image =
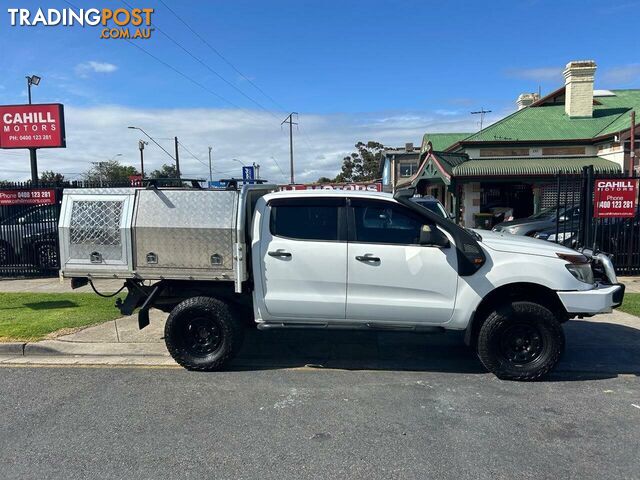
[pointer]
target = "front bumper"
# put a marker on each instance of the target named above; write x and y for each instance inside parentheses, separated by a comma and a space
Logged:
(602, 299)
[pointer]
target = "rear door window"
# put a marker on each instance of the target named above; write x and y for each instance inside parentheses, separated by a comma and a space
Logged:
(318, 219)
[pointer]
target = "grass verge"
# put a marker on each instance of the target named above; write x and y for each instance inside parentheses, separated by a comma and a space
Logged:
(32, 316)
(631, 304)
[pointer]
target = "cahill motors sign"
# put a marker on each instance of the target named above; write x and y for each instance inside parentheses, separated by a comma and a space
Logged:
(615, 198)
(32, 126)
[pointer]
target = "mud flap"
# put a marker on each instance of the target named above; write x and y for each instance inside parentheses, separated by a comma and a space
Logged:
(135, 297)
(143, 313)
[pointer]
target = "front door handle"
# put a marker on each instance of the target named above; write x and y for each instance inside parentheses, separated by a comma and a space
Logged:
(279, 254)
(367, 258)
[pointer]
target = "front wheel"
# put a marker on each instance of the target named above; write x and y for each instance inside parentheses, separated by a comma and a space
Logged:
(521, 341)
(202, 334)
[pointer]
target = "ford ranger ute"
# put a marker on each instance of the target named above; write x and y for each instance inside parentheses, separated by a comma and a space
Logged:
(220, 260)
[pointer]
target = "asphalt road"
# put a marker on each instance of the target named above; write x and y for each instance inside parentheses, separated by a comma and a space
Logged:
(79, 423)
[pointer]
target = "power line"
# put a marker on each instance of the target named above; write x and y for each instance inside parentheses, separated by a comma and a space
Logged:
(184, 75)
(192, 154)
(284, 175)
(217, 52)
(188, 52)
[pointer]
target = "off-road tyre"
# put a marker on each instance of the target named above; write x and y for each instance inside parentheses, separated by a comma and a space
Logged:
(520, 341)
(202, 334)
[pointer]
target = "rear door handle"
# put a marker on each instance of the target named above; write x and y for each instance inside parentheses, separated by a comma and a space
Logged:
(367, 258)
(279, 254)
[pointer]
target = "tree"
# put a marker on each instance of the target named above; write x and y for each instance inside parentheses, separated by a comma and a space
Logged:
(49, 176)
(324, 180)
(167, 171)
(111, 171)
(362, 165)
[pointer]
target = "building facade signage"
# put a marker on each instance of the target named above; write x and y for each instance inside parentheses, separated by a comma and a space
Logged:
(32, 196)
(368, 187)
(32, 126)
(615, 198)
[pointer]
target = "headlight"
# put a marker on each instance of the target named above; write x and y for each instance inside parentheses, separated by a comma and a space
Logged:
(511, 230)
(582, 272)
(578, 266)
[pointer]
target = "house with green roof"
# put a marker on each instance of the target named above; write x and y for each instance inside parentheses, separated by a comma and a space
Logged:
(512, 164)
(400, 164)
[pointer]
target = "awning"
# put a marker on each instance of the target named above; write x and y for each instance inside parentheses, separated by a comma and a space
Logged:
(532, 166)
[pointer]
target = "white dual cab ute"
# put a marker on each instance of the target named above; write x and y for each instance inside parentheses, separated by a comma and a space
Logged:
(220, 260)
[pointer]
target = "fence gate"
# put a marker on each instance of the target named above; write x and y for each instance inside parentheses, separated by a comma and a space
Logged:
(29, 231)
(576, 225)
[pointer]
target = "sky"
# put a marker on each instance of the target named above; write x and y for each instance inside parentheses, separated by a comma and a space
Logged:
(226, 73)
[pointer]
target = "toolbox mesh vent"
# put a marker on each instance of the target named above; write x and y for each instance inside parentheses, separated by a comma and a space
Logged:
(96, 223)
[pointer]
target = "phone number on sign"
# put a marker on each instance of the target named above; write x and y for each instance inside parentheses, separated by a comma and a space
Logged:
(606, 204)
(30, 137)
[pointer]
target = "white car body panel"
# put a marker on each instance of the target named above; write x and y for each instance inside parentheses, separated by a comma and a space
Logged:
(415, 286)
(311, 284)
(410, 284)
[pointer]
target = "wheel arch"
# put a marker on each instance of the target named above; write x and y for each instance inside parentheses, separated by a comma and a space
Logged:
(533, 292)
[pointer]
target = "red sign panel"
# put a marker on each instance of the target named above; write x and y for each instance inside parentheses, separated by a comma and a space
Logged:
(135, 180)
(615, 198)
(365, 187)
(32, 196)
(32, 126)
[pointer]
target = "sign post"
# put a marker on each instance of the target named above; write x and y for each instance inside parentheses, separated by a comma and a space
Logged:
(248, 174)
(615, 198)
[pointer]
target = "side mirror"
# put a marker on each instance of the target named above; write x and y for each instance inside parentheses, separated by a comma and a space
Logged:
(432, 237)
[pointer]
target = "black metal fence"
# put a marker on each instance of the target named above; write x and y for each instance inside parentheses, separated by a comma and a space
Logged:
(29, 226)
(576, 226)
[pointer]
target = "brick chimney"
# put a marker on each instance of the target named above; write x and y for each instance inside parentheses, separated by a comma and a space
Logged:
(526, 99)
(578, 79)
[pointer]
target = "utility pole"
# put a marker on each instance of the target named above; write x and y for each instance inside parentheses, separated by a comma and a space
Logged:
(177, 159)
(291, 123)
(210, 170)
(141, 144)
(481, 112)
(632, 142)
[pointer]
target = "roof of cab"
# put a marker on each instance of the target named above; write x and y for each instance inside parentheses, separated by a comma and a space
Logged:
(329, 193)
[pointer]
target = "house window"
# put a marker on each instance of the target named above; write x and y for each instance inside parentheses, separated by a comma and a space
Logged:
(563, 151)
(408, 169)
(504, 152)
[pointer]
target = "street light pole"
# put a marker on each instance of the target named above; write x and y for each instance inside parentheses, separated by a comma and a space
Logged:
(175, 159)
(210, 170)
(141, 144)
(33, 156)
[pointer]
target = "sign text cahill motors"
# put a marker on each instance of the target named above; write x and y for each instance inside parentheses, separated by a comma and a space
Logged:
(116, 23)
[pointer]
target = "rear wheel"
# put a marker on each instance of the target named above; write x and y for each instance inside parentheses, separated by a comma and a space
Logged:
(202, 334)
(521, 341)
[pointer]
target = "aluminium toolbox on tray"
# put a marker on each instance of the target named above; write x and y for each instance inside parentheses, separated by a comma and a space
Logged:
(149, 233)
